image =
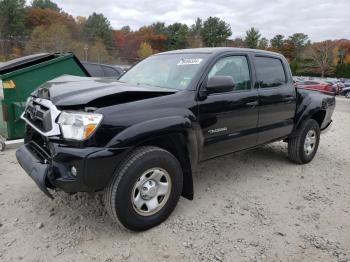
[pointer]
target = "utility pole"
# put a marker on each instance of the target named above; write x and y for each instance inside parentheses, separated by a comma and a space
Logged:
(86, 49)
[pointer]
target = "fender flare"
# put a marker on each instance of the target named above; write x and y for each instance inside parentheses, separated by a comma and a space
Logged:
(140, 133)
(307, 114)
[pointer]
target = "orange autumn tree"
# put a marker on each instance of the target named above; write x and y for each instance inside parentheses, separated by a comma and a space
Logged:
(47, 17)
(134, 39)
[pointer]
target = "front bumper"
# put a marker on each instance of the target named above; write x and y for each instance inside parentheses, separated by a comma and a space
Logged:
(95, 166)
(35, 166)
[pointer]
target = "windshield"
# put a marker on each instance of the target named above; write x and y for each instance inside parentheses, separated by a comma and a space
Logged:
(173, 71)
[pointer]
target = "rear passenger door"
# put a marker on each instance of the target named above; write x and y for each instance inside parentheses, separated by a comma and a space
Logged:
(277, 98)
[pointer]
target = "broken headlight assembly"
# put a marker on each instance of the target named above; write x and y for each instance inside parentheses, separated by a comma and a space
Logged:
(78, 125)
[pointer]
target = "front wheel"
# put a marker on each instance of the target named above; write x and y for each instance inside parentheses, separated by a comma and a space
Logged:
(145, 189)
(303, 145)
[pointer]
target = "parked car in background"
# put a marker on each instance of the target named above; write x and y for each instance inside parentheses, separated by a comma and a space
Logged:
(103, 70)
(337, 85)
(347, 83)
(314, 84)
(346, 92)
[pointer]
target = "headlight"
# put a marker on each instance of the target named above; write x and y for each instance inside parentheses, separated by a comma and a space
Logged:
(78, 125)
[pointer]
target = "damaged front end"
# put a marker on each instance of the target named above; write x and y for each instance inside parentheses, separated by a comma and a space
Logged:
(54, 158)
(34, 160)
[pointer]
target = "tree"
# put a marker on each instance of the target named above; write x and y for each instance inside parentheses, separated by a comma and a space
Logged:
(80, 49)
(159, 27)
(215, 31)
(12, 27)
(299, 40)
(320, 56)
(197, 26)
(55, 38)
(176, 36)
(97, 27)
(80, 20)
(237, 42)
(47, 17)
(38, 41)
(252, 38)
(126, 29)
(45, 4)
(97, 52)
(263, 43)
(295, 45)
(119, 39)
(277, 43)
(343, 70)
(145, 50)
(194, 38)
(134, 40)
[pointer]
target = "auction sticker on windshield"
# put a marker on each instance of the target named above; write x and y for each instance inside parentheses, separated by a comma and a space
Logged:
(190, 61)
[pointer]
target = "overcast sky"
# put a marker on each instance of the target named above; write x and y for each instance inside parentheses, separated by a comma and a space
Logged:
(320, 19)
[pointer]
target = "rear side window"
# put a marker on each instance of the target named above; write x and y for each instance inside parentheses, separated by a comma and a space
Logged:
(270, 72)
(110, 72)
(94, 70)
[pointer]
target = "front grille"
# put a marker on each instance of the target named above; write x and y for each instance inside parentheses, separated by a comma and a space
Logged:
(39, 116)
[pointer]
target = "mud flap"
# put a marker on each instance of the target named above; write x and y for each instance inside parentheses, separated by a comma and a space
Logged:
(34, 166)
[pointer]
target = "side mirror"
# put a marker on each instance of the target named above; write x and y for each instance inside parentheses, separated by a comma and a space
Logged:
(220, 84)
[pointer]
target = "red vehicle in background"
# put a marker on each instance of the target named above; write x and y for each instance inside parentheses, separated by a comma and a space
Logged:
(314, 84)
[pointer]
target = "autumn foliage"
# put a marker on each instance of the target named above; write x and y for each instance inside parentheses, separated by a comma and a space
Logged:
(45, 27)
(47, 17)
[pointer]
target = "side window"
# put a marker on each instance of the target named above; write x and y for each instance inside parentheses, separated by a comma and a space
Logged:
(94, 70)
(270, 72)
(110, 72)
(236, 67)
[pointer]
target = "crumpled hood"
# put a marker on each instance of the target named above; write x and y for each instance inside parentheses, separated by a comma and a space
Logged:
(70, 90)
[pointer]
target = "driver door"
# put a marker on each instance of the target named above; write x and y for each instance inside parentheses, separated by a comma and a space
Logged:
(229, 120)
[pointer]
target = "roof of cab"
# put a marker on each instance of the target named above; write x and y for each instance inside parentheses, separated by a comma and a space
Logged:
(217, 50)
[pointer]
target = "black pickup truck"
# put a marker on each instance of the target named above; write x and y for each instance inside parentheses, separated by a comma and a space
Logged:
(139, 139)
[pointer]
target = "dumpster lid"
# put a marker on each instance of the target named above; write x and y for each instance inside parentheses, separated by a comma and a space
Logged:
(25, 61)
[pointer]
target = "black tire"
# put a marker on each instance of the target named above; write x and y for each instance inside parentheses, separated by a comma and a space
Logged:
(118, 194)
(296, 152)
(347, 94)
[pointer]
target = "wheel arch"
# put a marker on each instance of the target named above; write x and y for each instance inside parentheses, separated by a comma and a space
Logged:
(319, 116)
(316, 114)
(176, 144)
(175, 134)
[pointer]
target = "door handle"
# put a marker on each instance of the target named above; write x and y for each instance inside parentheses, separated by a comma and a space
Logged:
(252, 103)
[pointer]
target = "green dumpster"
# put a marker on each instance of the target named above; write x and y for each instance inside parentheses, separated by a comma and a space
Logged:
(19, 78)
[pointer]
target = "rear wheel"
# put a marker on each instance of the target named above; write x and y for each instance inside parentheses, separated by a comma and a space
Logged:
(347, 94)
(145, 189)
(302, 147)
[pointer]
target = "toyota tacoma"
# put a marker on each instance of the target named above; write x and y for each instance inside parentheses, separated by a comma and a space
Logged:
(139, 138)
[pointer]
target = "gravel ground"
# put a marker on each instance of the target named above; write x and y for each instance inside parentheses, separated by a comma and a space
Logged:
(251, 206)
